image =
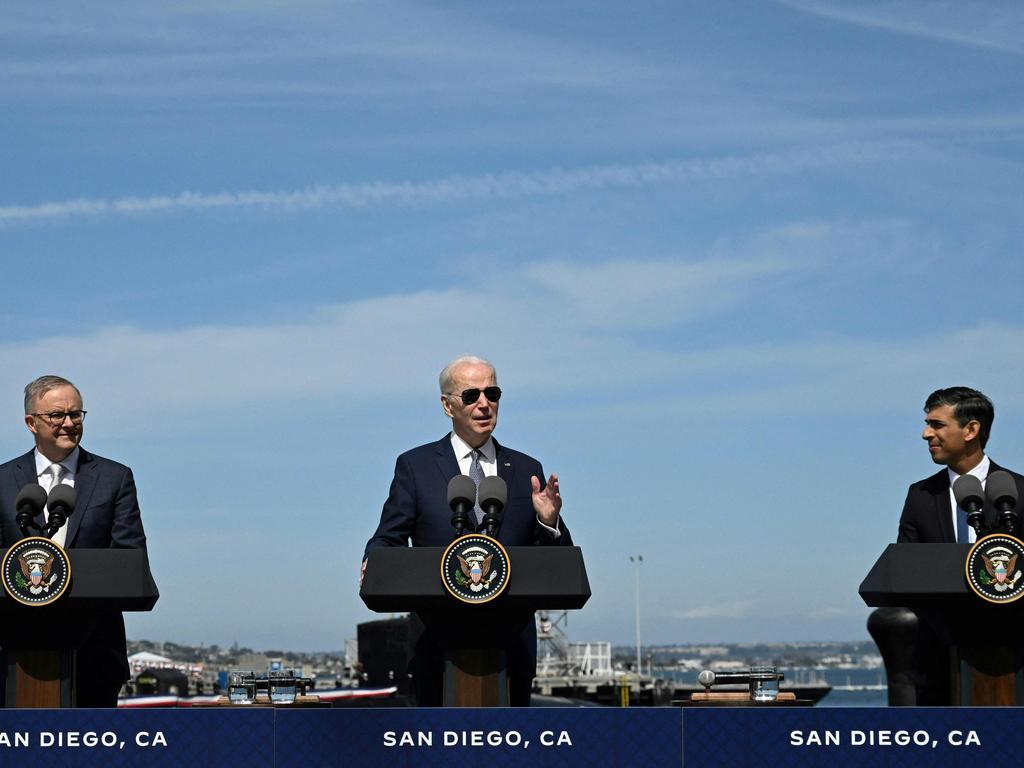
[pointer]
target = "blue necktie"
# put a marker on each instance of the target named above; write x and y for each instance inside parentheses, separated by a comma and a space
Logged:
(476, 474)
(961, 526)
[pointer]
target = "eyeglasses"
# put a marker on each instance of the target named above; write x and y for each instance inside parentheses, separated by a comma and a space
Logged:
(470, 396)
(56, 418)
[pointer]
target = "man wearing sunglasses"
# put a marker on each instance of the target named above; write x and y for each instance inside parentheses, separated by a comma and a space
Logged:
(106, 515)
(416, 511)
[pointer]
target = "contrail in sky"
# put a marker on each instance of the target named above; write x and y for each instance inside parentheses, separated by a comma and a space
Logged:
(453, 189)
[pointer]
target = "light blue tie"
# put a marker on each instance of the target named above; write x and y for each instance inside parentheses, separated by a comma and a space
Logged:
(476, 474)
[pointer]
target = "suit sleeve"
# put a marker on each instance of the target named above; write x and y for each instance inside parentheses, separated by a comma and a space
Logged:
(908, 532)
(546, 538)
(126, 532)
(399, 514)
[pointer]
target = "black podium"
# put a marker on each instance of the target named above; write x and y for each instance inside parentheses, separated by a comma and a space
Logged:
(40, 641)
(988, 652)
(400, 579)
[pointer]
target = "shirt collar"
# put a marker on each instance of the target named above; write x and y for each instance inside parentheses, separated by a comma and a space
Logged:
(69, 462)
(980, 471)
(462, 449)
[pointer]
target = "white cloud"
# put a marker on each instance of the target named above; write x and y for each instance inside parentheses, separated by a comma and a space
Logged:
(301, 50)
(647, 294)
(629, 294)
(998, 26)
(393, 345)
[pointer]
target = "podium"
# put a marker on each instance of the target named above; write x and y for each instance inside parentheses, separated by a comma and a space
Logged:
(400, 579)
(40, 641)
(988, 666)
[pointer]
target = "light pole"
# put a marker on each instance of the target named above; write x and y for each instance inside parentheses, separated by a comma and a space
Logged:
(637, 562)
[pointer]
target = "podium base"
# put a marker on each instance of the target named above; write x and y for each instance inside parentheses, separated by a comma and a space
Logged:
(475, 677)
(989, 676)
(39, 679)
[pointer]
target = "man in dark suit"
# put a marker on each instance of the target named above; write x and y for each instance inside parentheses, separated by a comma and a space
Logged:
(416, 511)
(958, 421)
(106, 515)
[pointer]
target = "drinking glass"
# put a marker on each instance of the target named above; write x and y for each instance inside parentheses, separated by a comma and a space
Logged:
(241, 687)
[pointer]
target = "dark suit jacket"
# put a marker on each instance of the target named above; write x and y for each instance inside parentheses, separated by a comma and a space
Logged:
(106, 515)
(928, 519)
(417, 512)
(927, 513)
(417, 509)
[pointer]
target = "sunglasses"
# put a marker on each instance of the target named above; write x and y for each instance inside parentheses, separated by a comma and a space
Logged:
(470, 396)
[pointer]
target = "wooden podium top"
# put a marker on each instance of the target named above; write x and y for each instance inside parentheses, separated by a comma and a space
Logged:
(740, 699)
(264, 701)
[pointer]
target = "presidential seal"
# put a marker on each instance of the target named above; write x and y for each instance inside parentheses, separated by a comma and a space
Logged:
(475, 568)
(36, 571)
(992, 568)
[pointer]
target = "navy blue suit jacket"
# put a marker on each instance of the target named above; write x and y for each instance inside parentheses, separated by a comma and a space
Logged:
(928, 515)
(416, 511)
(106, 515)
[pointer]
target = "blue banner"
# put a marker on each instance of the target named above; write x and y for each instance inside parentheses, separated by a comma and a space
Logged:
(532, 738)
(535, 738)
(189, 738)
(834, 738)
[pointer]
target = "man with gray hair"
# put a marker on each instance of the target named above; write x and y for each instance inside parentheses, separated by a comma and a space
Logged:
(417, 513)
(106, 515)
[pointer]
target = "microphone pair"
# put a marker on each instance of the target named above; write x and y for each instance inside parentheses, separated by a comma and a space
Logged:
(462, 496)
(32, 499)
(1001, 491)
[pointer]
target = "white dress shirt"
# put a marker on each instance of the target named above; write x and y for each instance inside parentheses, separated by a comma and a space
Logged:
(980, 472)
(464, 453)
(489, 464)
(45, 478)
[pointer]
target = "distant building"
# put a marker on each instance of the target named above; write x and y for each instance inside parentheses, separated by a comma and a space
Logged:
(591, 659)
(257, 662)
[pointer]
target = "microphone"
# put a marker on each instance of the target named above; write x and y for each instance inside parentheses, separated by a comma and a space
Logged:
(1001, 491)
(971, 499)
(30, 502)
(61, 503)
(493, 495)
(461, 498)
(708, 678)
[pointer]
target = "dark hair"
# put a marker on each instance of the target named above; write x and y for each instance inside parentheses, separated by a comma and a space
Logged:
(968, 405)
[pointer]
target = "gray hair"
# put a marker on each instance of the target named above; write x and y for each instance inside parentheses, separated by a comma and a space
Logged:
(39, 387)
(446, 377)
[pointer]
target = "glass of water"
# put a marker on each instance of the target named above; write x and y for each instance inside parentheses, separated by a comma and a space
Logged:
(241, 687)
(764, 683)
(282, 685)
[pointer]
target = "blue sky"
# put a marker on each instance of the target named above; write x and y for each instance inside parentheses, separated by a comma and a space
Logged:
(718, 252)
